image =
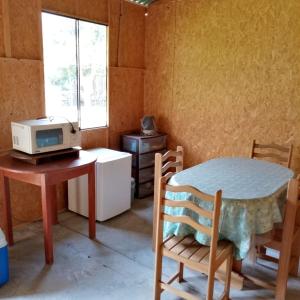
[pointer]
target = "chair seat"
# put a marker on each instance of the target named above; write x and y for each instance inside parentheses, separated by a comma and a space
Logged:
(193, 254)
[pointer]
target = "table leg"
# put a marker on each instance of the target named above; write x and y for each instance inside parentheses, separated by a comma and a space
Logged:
(47, 193)
(52, 191)
(92, 202)
(7, 209)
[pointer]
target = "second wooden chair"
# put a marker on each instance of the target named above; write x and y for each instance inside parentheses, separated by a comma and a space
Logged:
(186, 250)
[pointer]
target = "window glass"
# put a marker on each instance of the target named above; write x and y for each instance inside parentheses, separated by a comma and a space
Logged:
(75, 70)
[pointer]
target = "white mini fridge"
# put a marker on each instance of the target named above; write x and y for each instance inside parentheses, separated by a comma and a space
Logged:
(113, 185)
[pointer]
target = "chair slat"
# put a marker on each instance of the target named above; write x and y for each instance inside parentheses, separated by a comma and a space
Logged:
(167, 176)
(184, 244)
(171, 243)
(180, 293)
(170, 164)
(270, 155)
(202, 252)
(189, 251)
(188, 221)
(191, 190)
(273, 146)
(190, 205)
(171, 153)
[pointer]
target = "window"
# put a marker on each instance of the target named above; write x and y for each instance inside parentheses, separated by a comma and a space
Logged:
(75, 68)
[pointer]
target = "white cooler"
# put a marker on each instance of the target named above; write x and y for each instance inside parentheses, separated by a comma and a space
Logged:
(113, 185)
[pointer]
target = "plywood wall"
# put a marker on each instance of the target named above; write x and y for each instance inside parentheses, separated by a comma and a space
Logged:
(22, 86)
(220, 73)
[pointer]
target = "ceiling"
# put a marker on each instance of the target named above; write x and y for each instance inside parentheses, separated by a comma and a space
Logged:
(142, 2)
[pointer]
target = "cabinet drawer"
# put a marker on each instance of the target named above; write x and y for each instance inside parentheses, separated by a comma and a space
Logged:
(153, 144)
(146, 159)
(145, 189)
(143, 175)
(130, 144)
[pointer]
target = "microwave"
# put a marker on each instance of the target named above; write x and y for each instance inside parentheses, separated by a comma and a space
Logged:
(44, 135)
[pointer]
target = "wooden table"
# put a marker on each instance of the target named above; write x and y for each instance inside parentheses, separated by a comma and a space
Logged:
(46, 176)
(251, 190)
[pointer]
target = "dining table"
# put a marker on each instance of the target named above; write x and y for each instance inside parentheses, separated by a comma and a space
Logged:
(253, 198)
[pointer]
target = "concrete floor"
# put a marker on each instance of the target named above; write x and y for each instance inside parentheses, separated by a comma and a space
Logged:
(117, 265)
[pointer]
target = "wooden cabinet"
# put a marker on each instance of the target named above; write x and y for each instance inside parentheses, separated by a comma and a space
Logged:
(143, 149)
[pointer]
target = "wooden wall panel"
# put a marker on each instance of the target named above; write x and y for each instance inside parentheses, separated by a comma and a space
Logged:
(25, 30)
(93, 138)
(1, 30)
(20, 98)
(159, 58)
(126, 102)
(236, 72)
(21, 89)
(114, 32)
(132, 38)
(68, 7)
(2, 51)
(94, 10)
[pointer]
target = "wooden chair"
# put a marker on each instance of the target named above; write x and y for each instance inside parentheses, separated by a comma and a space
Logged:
(186, 250)
(288, 247)
(171, 160)
(273, 152)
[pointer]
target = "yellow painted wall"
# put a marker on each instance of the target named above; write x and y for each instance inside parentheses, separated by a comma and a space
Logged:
(221, 73)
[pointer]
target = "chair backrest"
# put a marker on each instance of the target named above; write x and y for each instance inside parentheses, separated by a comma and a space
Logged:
(288, 238)
(169, 163)
(273, 152)
(213, 215)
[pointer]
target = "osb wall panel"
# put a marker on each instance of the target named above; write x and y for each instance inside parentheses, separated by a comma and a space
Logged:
(94, 138)
(21, 84)
(20, 94)
(126, 34)
(25, 30)
(2, 52)
(132, 38)
(20, 98)
(159, 51)
(94, 10)
(235, 69)
(114, 10)
(1, 30)
(126, 102)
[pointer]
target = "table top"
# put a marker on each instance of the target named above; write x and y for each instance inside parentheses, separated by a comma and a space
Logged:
(239, 178)
(8, 163)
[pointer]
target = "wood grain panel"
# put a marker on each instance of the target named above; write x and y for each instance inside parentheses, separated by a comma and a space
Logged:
(2, 51)
(25, 30)
(22, 87)
(126, 102)
(94, 138)
(235, 68)
(93, 10)
(20, 91)
(114, 33)
(68, 7)
(132, 37)
(159, 58)
(96, 10)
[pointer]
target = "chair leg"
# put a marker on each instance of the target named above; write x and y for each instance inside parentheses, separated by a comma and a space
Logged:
(210, 286)
(228, 276)
(180, 271)
(157, 276)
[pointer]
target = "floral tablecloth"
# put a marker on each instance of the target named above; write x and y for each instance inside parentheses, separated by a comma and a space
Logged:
(253, 195)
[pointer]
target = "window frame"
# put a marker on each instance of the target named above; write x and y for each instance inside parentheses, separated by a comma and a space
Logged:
(77, 19)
